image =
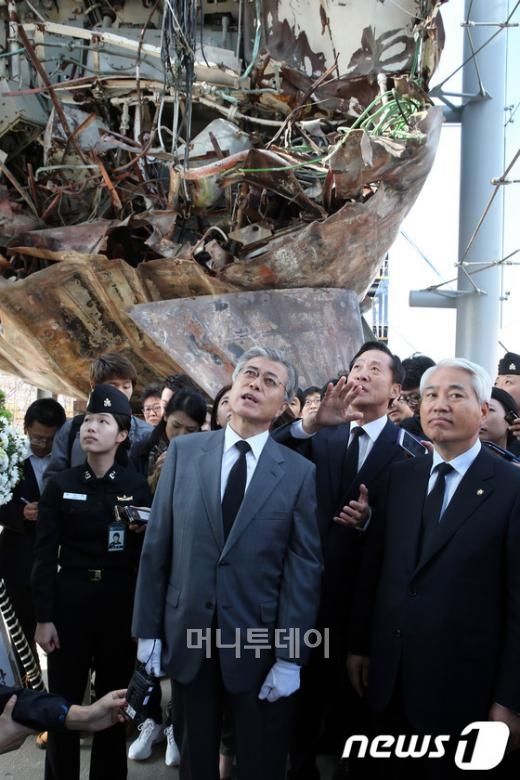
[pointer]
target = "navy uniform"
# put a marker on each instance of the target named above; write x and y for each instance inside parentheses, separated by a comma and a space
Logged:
(37, 710)
(90, 599)
(509, 367)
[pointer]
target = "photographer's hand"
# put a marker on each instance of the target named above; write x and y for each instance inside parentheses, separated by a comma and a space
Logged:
(105, 712)
(12, 734)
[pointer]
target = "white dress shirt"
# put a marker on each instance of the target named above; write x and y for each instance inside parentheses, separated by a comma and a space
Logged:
(372, 431)
(231, 454)
(460, 465)
(39, 467)
(366, 442)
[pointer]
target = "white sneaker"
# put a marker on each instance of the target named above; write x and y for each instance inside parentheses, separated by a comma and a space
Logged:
(151, 733)
(172, 757)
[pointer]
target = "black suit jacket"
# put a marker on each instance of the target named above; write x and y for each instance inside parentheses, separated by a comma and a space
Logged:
(342, 546)
(17, 538)
(446, 624)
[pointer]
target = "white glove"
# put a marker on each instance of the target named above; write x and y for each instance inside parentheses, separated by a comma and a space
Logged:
(149, 654)
(283, 679)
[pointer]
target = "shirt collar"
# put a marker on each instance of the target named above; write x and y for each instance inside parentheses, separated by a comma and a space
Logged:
(462, 462)
(87, 475)
(373, 428)
(257, 442)
(37, 458)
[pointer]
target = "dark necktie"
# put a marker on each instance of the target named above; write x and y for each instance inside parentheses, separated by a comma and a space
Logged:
(350, 465)
(235, 488)
(434, 500)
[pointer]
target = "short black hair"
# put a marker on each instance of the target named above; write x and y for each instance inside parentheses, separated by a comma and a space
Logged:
(178, 382)
(299, 394)
(311, 390)
(45, 411)
(151, 391)
(395, 362)
(414, 368)
(505, 399)
(214, 409)
(124, 423)
(190, 402)
(112, 365)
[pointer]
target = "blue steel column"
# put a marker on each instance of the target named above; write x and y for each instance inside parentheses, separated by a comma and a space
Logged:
(482, 159)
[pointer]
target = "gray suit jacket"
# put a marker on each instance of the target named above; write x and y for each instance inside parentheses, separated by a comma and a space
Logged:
(266, 576)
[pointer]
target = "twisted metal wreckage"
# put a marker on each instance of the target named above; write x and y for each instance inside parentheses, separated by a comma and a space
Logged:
(180, 179)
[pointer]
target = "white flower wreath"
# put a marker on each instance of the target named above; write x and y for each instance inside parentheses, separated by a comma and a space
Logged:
(13, 450)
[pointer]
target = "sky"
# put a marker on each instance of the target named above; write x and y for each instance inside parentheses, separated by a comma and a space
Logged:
(427, 251)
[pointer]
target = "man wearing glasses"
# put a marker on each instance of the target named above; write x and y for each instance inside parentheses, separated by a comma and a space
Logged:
(229, 579)
(42, 420)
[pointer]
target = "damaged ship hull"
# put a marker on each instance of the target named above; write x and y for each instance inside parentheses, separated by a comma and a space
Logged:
(156, 155)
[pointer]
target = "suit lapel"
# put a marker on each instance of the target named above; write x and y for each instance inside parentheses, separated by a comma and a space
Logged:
(268, 473)
(333, 451)
(474, 489)
(31, 483)
(381, 454)
(210, 467)
(413, 496)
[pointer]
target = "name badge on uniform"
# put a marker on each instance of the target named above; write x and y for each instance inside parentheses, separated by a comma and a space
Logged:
(116, 537)
(75, 496)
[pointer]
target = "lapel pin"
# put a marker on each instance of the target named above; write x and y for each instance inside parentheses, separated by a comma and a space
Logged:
(480, 492)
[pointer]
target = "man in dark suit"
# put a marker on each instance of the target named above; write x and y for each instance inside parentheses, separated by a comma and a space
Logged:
(328, 703)
(209, 583)
(442, 648)
(42, 420)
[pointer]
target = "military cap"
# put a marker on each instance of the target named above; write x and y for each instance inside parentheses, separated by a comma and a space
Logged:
(510, 364)
(106, 398)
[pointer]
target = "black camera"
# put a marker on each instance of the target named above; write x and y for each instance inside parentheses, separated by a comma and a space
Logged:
(510, 417)
(138, 515)
(138, 693)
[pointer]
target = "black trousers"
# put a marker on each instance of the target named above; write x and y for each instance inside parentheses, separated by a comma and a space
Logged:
(328, 710)
(93, 621)
(395, 722)
(261, 729)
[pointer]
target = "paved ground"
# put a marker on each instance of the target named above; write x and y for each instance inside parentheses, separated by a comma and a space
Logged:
(27, 764)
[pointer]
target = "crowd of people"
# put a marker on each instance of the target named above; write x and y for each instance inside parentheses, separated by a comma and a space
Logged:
(307, 574)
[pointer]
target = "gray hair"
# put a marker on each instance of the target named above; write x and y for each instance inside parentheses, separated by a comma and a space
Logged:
(480, 379)
(278, 357)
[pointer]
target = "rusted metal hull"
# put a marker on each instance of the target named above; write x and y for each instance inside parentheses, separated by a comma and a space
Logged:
(301, 161)
(206, 335)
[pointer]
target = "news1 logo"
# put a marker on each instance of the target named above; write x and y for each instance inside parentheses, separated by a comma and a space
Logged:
(481, 746)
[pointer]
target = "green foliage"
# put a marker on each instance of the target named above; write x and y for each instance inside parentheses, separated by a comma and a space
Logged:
(3, 411)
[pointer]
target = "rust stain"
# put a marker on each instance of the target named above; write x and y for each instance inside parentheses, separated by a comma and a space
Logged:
(140, 167)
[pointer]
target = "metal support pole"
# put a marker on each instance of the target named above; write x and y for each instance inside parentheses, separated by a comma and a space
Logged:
(482, 159)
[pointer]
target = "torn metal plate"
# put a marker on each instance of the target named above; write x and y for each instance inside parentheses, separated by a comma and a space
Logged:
(152, 152)
(319, 330)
